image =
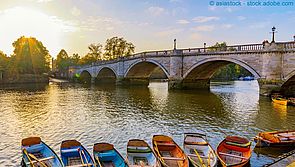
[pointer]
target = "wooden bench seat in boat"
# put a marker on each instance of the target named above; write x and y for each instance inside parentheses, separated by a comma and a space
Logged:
(166, 144)
(231, 155)
(41, 160)
(80, 165)
(173, 158)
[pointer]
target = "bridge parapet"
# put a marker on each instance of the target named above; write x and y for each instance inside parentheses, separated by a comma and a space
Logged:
(280, 46)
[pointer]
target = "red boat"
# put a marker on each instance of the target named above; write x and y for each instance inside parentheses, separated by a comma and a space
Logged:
(275, 139)
(234, 151)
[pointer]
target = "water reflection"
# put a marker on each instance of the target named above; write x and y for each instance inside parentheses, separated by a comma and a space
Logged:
(93, 114)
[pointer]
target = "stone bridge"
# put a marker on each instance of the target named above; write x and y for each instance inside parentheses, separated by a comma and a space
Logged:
(272, 64)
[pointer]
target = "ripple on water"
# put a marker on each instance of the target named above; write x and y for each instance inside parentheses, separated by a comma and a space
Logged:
(115, 115)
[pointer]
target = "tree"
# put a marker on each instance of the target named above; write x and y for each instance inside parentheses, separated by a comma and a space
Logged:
(74, 59)
(218, 47)
(117, 47)
(87, 59)
(95, 51)
(4, 61)
(62, 61)
(30, 56)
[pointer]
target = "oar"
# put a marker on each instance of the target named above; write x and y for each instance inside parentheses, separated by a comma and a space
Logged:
(81, 156)
(82, 151)
(156, 148)
(35, 158)
(209, 158)
(31, 163)
(97, 159)
(200, 159)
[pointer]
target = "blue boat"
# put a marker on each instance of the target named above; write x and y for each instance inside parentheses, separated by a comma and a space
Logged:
(36, 153)
(105, 155)
(74, 154)
(140, 154)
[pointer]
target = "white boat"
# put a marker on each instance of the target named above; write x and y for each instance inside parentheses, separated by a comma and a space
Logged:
(199, 151)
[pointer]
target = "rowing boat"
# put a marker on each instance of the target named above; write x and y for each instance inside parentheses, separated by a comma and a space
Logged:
(105, 155)
(275, 139)
(279, 100)
(75, 155)
(199, 151)
(168, 152)
(234, 151)
(36, 153)
(139, 154)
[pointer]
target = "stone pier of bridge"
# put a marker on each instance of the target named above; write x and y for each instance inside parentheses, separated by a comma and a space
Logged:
(271, 64)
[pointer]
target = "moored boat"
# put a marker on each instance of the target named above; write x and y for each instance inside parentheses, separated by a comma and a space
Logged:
(198, 150)
(105, 155)
(168, 152)
(234, 151)
(139, 154)
(74, 154)
(279, 100)
(275, 139)
(36, 153)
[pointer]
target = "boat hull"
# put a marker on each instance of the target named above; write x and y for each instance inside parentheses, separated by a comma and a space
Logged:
(73, 153)
(198, 150)
(280, 101)
(139, 154)
(168, 152)
(234, 153)
(34, 150)
(275, 139)
(106, 155)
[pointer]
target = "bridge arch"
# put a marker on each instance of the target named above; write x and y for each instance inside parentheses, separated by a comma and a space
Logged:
(288, 86)
(206, 68)
(106, 75)
(85, 77)
(144, 68)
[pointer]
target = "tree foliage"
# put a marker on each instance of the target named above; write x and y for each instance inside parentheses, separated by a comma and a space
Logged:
(4, 61)
(94, 54)
(218, 47)
(62, 61)
(117, 47)
(30, 56)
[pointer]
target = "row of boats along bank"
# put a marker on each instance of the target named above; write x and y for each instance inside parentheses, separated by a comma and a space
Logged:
(196, 152)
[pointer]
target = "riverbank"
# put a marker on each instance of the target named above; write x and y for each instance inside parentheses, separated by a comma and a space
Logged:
(24, 79)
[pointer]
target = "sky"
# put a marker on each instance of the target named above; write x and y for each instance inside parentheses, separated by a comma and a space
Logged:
(149, 24)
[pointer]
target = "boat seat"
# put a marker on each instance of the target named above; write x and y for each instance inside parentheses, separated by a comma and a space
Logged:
(108, 164)
(238, 144)
(107, 156)
(35, 148)
(139, 150)
(42, 160)
(166, 144)
(140, 161)
(74, 161)
(64, 151)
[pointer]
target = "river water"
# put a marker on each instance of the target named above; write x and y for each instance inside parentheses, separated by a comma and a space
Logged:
(91, 114)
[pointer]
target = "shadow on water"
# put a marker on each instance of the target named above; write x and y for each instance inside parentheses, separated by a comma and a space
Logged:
(108, 113)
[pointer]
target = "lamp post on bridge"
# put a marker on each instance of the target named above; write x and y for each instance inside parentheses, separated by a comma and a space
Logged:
(294, 38)
(205, 46)
(174, 46)
(273, 29)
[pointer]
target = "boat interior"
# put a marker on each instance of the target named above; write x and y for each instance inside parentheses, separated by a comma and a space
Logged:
(38, 153)
(73, 153)
(196, 147)
(170, 153)
(107, 155)
(232, 154)
(140, 154)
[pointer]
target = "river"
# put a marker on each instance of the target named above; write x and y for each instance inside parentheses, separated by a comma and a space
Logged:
(92, 114)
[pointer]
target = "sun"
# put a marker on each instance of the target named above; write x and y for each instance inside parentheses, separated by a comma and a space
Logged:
(22, 21)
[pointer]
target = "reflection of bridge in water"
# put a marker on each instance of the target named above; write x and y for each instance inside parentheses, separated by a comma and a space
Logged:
(273, 65)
